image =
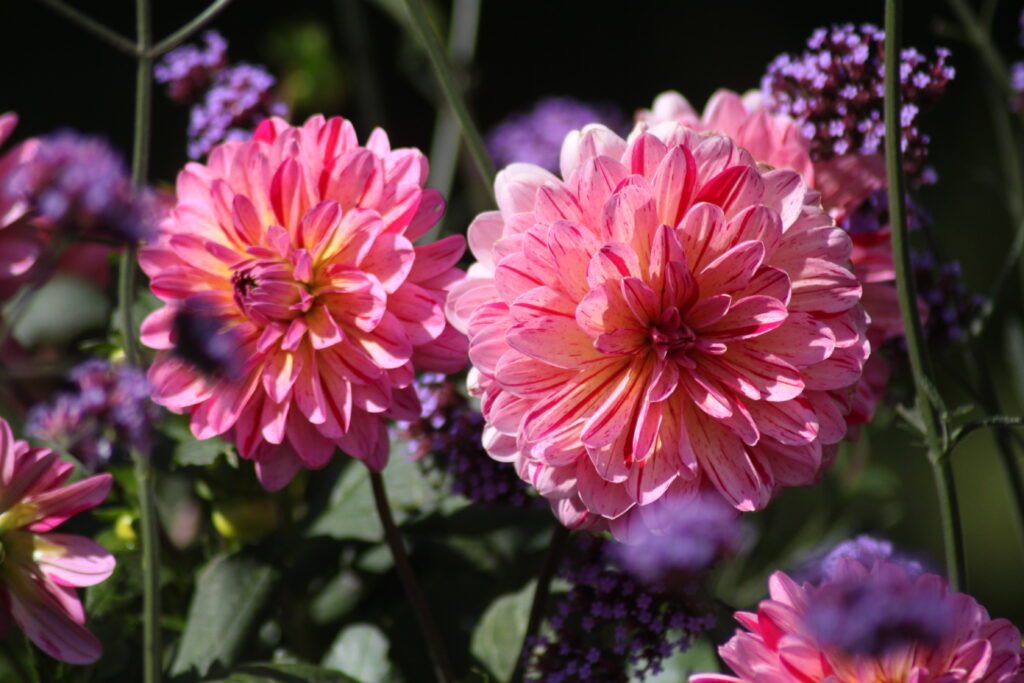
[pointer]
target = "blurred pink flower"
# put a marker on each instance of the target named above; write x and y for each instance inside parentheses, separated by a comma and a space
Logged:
(883, 622)
(39, 571)
(844, 182)
(20, 244)
(669, 317)
(300, 240)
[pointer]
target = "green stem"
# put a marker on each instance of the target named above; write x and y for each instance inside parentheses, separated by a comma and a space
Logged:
(444, 150)
(188, 30)
(435, 645)
(920, 364)
(152, 649)
(108, 36)
(446, 77)
(552, 561)
(978, 36)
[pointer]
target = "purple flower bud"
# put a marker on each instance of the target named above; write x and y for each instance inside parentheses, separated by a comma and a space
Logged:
(189, 70)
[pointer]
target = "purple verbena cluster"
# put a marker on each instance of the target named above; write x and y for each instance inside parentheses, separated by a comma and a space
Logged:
(951, 306)
(680, 542)
(190, 69)
(835, 90)
(110, 405)
(608, 625)
(450, 430)
(872, 215)
(78, 185)
(535, 136)
(864, 549)
(201, 340)
(228, 102)
(873, 613)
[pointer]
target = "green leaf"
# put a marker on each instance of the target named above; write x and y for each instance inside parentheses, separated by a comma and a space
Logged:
(292, 672)
(229, 592)
(62, 309)
(1014, 344)
(498, 637)
(188, 450)
(361, 651)
(337, 598)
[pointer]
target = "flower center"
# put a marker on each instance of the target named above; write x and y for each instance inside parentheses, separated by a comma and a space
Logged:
(670, 334)
(267, 290)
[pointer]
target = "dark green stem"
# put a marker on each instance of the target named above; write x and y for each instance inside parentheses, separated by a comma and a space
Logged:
(188, 30)
(446, 77)
(552, 561)
(108, 36)
(927, 400)
(435, 645)
(978, 36)
(152, 650)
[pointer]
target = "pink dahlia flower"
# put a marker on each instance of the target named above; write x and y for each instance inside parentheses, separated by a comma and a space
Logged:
(39, 571)
(883, 622)
(300, 241)
(20, 244)
(667, 316)
(844, 182)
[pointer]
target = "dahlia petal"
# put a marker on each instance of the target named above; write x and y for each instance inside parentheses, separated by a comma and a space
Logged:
(594, 140)
(312, 448)
(614, 413)
(734, 189)
(802, 341)
(24, 470)
(553, 204)
(775, 378)
(156, 328)
(321, 221)
(390, 259)
(218, 414)
(276, 465)
(324, 330)
(436, 258)
(631, 217)
(625, 341)
(696, 230)
(346, 177)
(279, 374)
(747, 318)
(572, 246)
(595, 181)
(792, 422)
(732, 270)
(674, 183)
(50, 627)
(708, 397)
(792, 465)
(290, 194)
(541, 302)
(554, 339)
(483, 232)
(352, 239)
(367, 441)
(273, 419)
(515, 187)
(387, 345)
(725, 460)
(612, 262)
(841, 369)
(600, 496)
(525, 377)
(645, 155)
(446, 354)
(641, 299)
(574, 401)
(73, 560)
(516, 274)
(54, 506)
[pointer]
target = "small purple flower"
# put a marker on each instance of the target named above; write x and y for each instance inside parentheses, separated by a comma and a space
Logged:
(79, 185)
(201, 340)
(536, 136)
(110, 406)
(678, 543)
(864, 549)
(872, 215)
(952, 308)
(837, 86)
(241, 96)
(858, 612)
(189, 70)
(608, 625)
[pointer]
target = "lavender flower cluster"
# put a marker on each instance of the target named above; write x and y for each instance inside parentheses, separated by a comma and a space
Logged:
(110, 405)
(229, 101)
(79, 185)
(835, 90)
(535, 136)
(450, 431)
(951, 306)
(872, 216)
(608, 624)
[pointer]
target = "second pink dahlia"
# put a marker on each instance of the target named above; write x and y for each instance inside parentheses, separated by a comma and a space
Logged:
(300, 240)
(667, 316)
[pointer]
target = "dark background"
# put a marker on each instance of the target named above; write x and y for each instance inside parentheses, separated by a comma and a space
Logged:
(56, 76)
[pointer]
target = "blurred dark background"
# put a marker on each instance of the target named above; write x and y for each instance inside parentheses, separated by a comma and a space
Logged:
(54, 75)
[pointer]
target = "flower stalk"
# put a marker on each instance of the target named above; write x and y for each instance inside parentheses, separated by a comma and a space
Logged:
(446, 77)
(126, 292)
(552, 561)
(933, 426)
(435, 645)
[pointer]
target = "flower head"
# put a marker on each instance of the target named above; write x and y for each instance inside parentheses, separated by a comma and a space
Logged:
(39, 570)
(238, 100)
(79, 184)
(834, 91)
(870, 620)
(300, 241)
(668, 317)
(189, 70)
(110, 406)
(535, 136)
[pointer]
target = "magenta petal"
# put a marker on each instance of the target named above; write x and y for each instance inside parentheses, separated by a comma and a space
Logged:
(49, 626)
(56, 505)
(73, 560)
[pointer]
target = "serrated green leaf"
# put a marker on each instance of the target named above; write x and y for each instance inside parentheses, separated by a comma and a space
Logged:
(229, 592)
(498, 636)
(291, 672)
(361, 651)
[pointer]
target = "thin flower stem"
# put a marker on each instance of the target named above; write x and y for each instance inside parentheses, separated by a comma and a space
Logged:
(188, 30)
(152, 650)
(446, 77)
(552, 561)
(979, 37)
(435, 646)
(108, 36)
(933, 426)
